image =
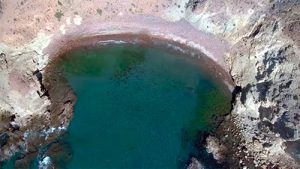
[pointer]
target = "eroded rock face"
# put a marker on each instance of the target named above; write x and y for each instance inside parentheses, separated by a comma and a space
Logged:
(259, 42)
(267, 108)
(28, 118)
(264, 61)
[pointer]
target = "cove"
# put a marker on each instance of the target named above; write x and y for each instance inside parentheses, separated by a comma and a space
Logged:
(138, 107)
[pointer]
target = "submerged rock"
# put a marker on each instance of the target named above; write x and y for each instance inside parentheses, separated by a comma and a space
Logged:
(45, 163)
(214, 146)
(195, 164)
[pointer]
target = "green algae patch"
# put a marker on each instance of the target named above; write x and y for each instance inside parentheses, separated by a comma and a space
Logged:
(213, 107)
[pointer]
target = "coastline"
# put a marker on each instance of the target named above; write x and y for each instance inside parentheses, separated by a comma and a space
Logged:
(255, 42)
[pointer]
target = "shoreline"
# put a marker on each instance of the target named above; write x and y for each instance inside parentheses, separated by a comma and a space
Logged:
(206, 64)
(58, 59)
(179, 32)
(55, 84)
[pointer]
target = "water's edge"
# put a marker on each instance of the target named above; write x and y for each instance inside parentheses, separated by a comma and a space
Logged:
(56, 86)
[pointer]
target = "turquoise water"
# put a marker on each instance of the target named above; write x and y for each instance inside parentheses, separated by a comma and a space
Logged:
(138, 107)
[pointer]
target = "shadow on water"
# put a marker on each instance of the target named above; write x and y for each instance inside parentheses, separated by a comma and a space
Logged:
(198, 151)
(209, 114)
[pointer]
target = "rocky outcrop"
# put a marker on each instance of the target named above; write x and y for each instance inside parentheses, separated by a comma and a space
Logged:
(264, 64)
(216, 148)
(266, 67)
(27, 115)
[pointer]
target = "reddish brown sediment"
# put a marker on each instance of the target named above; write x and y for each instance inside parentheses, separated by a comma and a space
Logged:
(151, 27)
(149, 30)
(211, 68)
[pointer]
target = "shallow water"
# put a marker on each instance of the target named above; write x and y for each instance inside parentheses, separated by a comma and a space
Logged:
(138, 107)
